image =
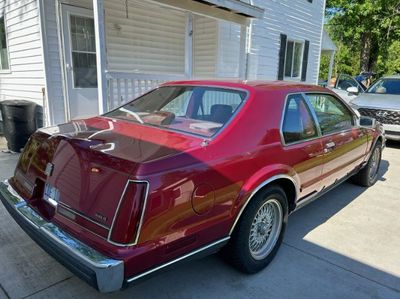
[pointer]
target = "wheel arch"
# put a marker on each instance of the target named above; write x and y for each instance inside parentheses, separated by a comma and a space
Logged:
(285, 181)
(379, 139)
(376, 140)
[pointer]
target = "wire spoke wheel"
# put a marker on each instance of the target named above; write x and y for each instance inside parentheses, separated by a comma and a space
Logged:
(265, 229)
(375, 159)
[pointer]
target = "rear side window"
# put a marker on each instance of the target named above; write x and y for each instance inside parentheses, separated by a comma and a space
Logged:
(333, 116)
(298, 124)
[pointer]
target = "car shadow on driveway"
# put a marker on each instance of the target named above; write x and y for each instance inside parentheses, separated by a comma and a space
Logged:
(393, 144)
(326, 253)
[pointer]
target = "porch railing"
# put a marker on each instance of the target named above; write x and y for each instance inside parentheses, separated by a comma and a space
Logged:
(123, 87)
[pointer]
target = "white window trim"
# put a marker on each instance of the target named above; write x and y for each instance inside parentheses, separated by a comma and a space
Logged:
(6, 71)
(291, 78)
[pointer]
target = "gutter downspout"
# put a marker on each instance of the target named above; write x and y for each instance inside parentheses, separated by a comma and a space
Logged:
(320, 41)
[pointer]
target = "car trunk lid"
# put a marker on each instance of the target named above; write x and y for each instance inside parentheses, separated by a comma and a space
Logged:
(88, 164)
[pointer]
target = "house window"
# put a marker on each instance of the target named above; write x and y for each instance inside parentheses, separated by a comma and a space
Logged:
(293, 59)
(4, 65)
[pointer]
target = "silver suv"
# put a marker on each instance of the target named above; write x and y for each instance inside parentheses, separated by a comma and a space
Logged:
(382, 102)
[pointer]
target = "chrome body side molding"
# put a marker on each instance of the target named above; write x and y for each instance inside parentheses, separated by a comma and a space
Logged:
(214, 245)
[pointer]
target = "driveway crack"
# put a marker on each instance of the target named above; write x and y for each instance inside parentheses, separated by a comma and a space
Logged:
(342, 268)
(4, 291)
(48, 287)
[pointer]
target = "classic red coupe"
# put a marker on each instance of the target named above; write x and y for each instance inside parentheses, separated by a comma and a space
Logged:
(186, 169)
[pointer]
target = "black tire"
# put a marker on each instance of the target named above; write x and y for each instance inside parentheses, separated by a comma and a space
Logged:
(238, 252)
(368, 175)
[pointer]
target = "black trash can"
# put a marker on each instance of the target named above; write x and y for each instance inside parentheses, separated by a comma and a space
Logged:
(1, 124)
(18, 122)
(39, 117)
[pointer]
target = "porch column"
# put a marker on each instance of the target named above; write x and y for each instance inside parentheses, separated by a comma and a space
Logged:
(101, 55)
(189, 46)
(331, 62)
(244, 44)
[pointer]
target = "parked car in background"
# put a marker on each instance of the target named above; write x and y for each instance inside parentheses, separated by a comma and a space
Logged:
(347, 87)
(186, 169)
(382, 102)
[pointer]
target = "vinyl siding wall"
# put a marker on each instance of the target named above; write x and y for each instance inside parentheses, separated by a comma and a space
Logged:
(300, 20)
(26, 77)
(53, 63)
(205, 47)
(145, 38)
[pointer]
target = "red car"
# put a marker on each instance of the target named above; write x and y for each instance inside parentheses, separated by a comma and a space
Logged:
(186, 169)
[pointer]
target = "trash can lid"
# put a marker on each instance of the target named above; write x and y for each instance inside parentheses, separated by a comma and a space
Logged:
(16, 103)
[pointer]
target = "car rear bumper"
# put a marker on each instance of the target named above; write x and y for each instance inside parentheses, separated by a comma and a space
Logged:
(101, 272)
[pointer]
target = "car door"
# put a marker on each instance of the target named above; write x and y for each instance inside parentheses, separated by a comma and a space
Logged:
(344, 142)
(343, 82)
(302, 144)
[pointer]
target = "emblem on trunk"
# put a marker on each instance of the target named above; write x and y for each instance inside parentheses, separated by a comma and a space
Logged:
(49, 169)
(101, 217)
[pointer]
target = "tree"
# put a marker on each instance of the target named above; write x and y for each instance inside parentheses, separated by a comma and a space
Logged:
(366, 27)
(394, 58)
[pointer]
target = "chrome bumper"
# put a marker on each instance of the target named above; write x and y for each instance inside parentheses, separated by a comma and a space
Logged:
(105, 274)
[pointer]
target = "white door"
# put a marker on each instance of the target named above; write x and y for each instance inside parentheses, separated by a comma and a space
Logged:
(80, 61)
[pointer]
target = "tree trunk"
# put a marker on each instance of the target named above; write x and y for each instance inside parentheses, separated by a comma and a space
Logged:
(365, 57)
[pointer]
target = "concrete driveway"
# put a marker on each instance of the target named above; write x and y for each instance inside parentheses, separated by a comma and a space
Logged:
(346, 244)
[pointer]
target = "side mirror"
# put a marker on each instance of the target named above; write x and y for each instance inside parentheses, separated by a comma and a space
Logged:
(368, 122)
(353, 90)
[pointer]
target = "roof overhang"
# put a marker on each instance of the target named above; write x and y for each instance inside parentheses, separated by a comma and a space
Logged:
(237, 7)
(230, 10)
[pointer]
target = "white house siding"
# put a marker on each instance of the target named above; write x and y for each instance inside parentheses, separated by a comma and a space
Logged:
(26, 77)
(216, 48)
(299, 20)
(228, 50)
(205, 47)
(145, 38)
(54, 78)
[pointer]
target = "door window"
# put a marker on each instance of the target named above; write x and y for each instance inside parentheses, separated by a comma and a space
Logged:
(332, 114)
(83, 51)
(345, 81)
(298, 124)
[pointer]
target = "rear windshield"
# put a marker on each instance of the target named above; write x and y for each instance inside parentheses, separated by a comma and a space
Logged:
(196, 110)
(386, 86)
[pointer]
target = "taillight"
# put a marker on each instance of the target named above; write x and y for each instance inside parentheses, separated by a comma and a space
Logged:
(125, 228)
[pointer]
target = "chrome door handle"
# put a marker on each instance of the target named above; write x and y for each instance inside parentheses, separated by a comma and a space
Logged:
(330, 145)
